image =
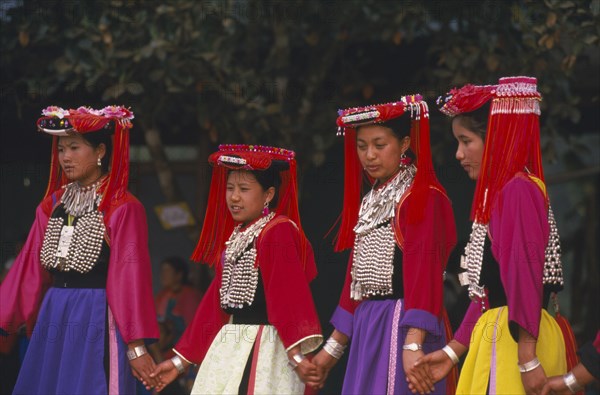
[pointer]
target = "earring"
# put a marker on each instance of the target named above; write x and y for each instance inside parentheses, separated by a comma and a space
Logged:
(265, 210)
(99, 162)
(404, 161)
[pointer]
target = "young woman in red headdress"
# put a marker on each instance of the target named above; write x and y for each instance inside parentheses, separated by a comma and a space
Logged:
(391, 307)
(512, 342)
(86, 262)
(257, 321)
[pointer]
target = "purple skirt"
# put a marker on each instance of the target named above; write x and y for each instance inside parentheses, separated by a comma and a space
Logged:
(375, 359)
(72, 350)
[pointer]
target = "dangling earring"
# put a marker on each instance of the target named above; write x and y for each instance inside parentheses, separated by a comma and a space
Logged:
(265, 210)
(404, 161)
(99, 162)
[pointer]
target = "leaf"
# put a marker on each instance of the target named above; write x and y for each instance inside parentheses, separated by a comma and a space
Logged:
(273, 108)
(551, 19)
(566, 4)
(156, 75)
(135, 88)
(569, 61)
(590, 39)
(113, 92)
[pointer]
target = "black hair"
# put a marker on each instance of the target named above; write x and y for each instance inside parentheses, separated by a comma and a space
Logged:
(179, 265)
(475, 121)
(400, 126)
(103, 136)
(270, 178)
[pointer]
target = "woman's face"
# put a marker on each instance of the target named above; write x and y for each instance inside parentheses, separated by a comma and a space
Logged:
(245, 196)
(470, 148)
(79, 160)
(380, 151)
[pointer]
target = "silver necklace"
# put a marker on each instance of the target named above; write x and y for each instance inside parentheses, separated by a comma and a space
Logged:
(374, 244)
(240, 274)
(79, 200)
(76, 247)
(472, 259)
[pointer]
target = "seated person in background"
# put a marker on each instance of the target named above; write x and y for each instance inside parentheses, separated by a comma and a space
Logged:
(176, 304)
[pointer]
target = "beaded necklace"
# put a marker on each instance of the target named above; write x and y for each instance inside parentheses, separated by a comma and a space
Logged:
(472, 259)
(374, 244)
(240, 274)
(76, 247)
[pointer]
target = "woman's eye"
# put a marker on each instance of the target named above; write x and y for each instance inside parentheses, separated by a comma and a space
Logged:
(380, 146)
(362, 147)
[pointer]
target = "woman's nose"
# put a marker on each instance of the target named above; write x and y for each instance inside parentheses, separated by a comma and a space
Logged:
(370, 153)
(459, 154)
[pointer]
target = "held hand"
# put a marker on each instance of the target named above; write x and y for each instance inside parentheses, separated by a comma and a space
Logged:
(556, 385)
(533, 381)
(166, 371)
(421, 379)
(324, 363)
(435, 365)
(142, 367)
(308, 372)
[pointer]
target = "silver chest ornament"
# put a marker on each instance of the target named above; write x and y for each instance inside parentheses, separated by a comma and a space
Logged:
(472, 260)
(374, 243)
(240, 274)
(75, 247)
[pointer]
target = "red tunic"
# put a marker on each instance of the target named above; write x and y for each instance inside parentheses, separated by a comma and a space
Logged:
(285, 265)
(425, 246)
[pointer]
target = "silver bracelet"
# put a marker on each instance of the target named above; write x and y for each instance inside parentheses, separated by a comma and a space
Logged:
(529, 366)
(572, 383)
(296, 360)
(136, 352)
(334, 348)
(178, 364)
(451, 354)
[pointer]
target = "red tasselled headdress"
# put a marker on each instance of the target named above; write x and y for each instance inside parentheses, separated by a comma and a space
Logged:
(59, 122)
(512, 142)
(218, 222)
(351, 118)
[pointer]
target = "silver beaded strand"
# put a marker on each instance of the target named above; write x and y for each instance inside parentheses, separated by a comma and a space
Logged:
(374, 244)
(85, 244)
(240, 276)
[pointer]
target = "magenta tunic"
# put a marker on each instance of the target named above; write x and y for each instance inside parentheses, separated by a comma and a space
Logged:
(519, 232)
(80, 331)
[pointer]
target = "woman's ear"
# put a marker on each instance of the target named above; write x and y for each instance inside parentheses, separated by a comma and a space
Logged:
(101, 150)
(270, 194)
(405, 144)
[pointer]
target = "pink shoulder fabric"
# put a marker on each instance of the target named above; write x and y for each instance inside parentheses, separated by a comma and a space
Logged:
(22, 290)
(129, 283)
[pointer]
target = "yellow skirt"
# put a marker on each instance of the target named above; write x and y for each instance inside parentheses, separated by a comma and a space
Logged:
(492, 355)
